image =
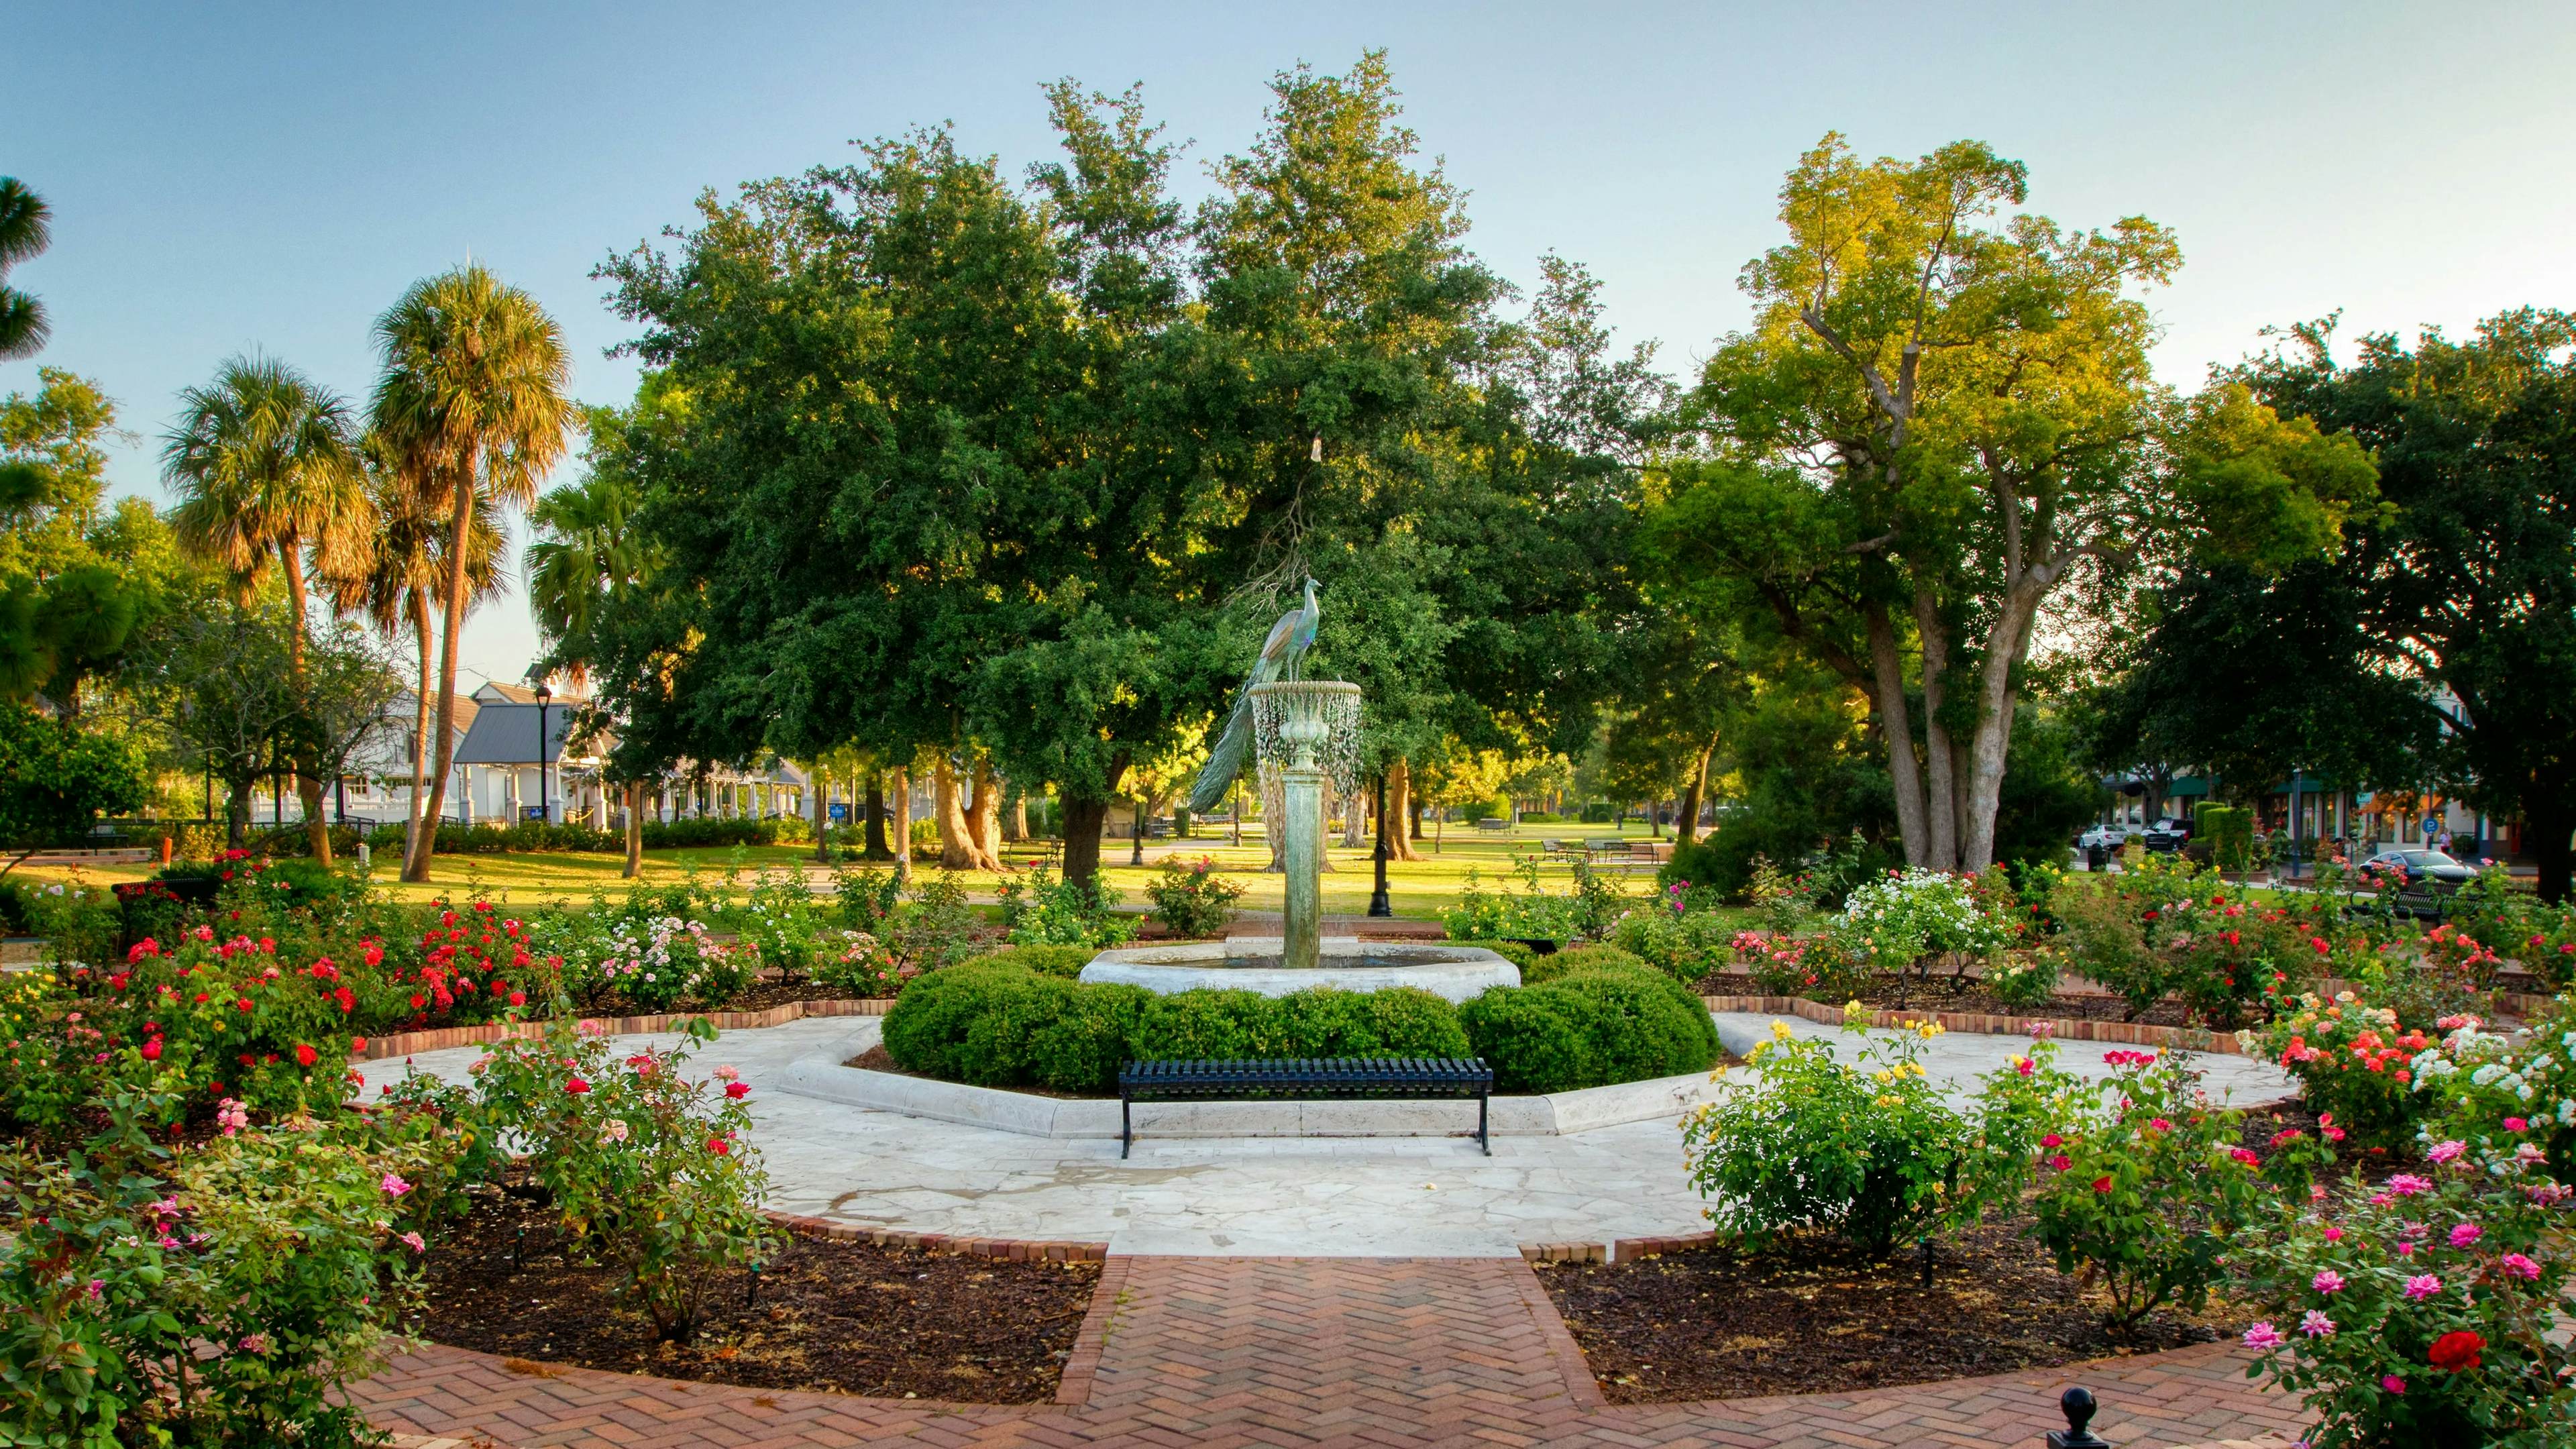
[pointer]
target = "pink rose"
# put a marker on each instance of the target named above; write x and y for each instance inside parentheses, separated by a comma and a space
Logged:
(2515, 1265)
(2327, 1281)
(2465, 1233)
(2422, 1286)
(2263, 1335)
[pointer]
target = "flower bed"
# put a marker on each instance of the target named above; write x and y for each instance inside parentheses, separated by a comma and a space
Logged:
(823, 1315)
(1707, 1323)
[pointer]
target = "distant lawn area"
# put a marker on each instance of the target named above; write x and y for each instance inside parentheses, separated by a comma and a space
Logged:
(1417, 889)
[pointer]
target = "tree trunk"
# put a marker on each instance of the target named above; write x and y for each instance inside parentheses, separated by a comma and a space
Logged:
(983, 815)
(1941, 785)
(1015, 821)
(634, 829)
(1887, 680)
(459, 538)
(419, 605)
(956, 842)
(237, 814)
(1354, 822)
(1686, 825)
(1083, 820)
(2546, 828)
(308, 788)
(875, 846)
(822, 815)
(1399, 808)
(902, 787)
(2006, 645)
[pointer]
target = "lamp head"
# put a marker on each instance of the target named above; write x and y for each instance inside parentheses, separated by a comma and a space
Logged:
(545, 691)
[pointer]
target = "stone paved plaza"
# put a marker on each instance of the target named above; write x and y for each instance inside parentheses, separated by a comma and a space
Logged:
(1311, 1196)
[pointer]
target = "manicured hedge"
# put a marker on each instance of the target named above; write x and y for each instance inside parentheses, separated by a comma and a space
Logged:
(691, 832)
(1581, 958)
(997, 1021)
(1590, 1023)
(1513, 951)
(1064, 961)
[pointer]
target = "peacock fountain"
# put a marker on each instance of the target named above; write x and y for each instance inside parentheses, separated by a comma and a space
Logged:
(1304, 730)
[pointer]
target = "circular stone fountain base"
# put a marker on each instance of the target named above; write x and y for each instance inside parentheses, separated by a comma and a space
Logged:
(1251, 963)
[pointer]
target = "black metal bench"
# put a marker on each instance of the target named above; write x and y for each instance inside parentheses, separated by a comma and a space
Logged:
(1305, 1079)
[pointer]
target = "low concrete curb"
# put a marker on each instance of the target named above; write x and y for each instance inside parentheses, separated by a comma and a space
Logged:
(822, 1075)
(409, 1043)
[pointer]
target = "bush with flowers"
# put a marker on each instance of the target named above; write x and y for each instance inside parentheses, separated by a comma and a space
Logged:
(194, 1022)
(2509, 917)
(2172, 928)
(650, 1170)
(1682, 943)
(1905, 919)
(1818, 966)
(204, 1293)
(2141, 1184)
(2423, 1310)
(782, 924)
(2498, 1091)
(653, 963)
(79, 921)
(857, 962)
(1865, 1149)
(470, 963)
(2355, 1064)
(1191, 899)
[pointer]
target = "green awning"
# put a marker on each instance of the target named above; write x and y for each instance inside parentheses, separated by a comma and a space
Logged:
(2190, 785)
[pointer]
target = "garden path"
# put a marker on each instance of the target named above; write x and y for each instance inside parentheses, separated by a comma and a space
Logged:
(1246, 1197)
(1382, 1353)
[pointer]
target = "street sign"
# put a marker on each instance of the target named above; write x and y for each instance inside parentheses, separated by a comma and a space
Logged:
(839, 812)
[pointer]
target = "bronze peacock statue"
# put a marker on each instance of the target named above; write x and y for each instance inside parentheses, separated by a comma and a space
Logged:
(1280, 655)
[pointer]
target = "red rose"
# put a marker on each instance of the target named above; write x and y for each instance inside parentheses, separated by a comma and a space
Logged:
(518, 998)
(305, 1056)
(576, 1086)
(357, 1043)
(244, 1003)
(737, 1090)
(152, 1050)
(2102, 1184)
(719, 1146)
(2456, 1351)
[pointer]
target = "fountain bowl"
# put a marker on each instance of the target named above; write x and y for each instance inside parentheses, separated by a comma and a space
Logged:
(1346, 963)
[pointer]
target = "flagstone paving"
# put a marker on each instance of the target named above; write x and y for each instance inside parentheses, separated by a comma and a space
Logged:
(1274, 1196)
(1393, 1353)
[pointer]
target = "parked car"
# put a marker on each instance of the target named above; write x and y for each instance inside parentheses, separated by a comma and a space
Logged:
(2425, 878)
(2103, 837)
(2167, 835)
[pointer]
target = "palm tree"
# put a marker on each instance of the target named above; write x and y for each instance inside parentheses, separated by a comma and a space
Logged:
(23, 234)
(583, 549)
(472, 409)
(266, 470)
(398, 588)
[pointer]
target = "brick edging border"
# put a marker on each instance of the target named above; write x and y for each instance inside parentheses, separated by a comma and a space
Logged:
(1017, 1250)
(2128, 1033)
(405, 1043)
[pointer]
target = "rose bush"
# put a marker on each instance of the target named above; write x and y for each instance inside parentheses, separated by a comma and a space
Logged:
(2422, 1310)
(2355, 1064)
(651, 1171)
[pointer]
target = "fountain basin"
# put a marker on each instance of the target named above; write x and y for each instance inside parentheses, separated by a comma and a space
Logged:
(1345, 963)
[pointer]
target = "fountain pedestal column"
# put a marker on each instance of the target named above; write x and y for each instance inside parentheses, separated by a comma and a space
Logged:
(1302, 852)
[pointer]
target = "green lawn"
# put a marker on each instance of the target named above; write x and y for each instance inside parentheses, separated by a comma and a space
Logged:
(1415, 888)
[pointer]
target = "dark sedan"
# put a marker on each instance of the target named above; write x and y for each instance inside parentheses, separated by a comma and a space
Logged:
(2424, 878)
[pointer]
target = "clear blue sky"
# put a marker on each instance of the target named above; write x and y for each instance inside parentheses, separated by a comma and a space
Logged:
(236, 176)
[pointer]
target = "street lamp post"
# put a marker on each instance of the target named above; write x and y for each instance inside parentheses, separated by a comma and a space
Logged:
(1379, 906)
(545, 809)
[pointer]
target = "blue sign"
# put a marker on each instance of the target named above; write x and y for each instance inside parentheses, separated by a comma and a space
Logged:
(840, 812)
(532, 812)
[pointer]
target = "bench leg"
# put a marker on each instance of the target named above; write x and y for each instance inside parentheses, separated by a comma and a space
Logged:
(1484, 1106)
(1126, 1128)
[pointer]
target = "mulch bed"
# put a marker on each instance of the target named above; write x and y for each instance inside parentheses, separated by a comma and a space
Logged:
(1943, 993)
(763, 995)
(1814, 1317)
(830, 1317)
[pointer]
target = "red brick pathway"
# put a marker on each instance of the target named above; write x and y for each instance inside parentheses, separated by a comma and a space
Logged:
(1385, 1353)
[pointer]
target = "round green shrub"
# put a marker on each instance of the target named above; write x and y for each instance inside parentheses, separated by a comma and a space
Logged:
(926, 1031)
(1064, 961)
(1601, 1017)
(1581, 958)
(1535, 1039)
(1204, 1026)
